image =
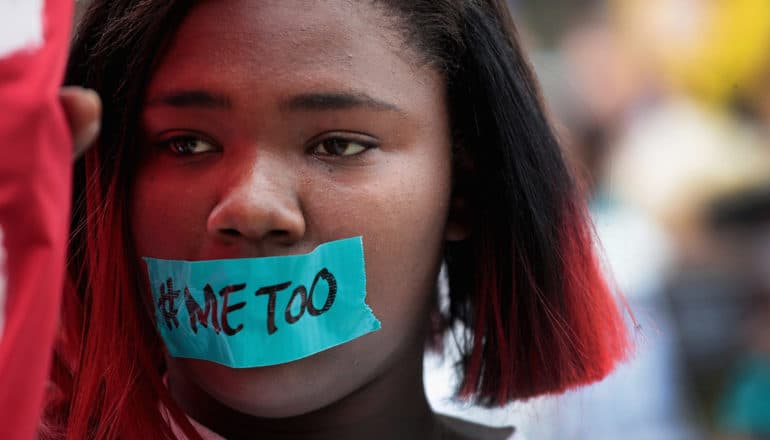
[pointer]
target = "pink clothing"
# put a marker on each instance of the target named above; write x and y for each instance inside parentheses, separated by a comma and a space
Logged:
(35, 183)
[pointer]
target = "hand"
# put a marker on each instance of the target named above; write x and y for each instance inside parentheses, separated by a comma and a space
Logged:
(84, 111)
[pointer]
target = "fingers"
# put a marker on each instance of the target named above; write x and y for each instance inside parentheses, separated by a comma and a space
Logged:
(83, 109)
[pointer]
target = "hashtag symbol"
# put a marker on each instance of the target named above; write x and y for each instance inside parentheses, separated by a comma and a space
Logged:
(166, 303)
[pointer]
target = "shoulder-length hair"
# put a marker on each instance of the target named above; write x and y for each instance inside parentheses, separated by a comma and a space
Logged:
(525, 283)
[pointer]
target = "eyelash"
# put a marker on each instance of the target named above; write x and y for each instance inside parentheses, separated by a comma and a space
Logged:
(181, 145)
(170, 143)
(334, 141)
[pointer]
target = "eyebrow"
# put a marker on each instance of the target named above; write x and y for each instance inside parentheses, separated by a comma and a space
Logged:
(302, 102)
(337, 101)
(191, 99)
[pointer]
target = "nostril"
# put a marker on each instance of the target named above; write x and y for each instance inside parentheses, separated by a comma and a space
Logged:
(230, 232)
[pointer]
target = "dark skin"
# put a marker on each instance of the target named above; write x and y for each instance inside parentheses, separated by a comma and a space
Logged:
(82, 108)
(258, 182)
(358, 415)
(281, 125)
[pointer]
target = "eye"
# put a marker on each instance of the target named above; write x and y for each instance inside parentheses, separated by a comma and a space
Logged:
(188, 145)
(337, 146)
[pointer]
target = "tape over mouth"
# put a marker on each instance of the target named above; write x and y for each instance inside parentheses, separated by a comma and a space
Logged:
(256, 312)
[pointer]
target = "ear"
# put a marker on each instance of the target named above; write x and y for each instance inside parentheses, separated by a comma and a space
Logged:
(458, 225)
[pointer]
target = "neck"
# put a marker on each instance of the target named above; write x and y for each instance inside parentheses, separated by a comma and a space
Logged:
(392, 405)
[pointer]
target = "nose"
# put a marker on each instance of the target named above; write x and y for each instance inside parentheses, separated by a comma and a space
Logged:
(259, 205)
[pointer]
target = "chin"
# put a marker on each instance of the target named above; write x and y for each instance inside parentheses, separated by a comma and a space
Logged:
(278, 391)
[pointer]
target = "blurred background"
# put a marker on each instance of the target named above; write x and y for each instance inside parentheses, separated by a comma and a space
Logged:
(663, 106)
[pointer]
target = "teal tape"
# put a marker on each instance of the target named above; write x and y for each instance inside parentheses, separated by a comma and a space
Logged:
(255, 312)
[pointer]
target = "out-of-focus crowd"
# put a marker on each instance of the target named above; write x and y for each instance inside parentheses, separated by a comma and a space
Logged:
(664, 108)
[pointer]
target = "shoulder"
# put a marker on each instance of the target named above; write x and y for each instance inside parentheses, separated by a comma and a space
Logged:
(460, 429)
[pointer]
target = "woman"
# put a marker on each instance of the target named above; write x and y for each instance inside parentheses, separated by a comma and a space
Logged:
(250, 129)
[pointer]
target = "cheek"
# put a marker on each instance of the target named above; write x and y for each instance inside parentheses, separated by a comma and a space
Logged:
(401, 214)
(168, 217)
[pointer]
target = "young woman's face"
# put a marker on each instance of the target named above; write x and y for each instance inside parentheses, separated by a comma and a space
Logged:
(274, 126)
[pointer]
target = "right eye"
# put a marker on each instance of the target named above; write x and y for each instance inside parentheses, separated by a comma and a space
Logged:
(187, 145)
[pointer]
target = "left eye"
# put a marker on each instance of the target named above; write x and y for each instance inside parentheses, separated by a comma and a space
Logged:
(340, 147)
(188, 145)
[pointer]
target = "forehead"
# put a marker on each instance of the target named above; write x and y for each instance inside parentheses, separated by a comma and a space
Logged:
(275, 42)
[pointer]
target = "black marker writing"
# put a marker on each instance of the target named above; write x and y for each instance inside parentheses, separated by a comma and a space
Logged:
(271, 290)
(306, 300)
(208, 312)
(166, 303)
(202, 315)
(332, 283)
(291, 319)
(225, 294)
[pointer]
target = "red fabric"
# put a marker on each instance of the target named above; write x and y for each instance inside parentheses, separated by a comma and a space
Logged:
(35, 186)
